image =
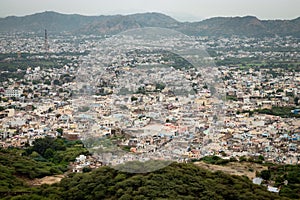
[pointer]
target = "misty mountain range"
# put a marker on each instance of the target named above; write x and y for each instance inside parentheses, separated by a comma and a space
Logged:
(54, 22)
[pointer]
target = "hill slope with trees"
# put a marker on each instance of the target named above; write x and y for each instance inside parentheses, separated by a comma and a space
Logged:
(54, 22)
(49, 156)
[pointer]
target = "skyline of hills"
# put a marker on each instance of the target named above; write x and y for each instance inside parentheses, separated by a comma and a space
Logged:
(55, 22)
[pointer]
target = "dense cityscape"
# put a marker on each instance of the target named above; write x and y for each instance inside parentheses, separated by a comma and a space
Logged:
(39, 103)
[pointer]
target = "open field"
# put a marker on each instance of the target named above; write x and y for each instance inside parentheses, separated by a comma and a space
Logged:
(235, 168)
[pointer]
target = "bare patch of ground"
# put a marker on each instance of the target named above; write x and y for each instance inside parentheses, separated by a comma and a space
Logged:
(235, 168)
(51, 179)
(46, 180)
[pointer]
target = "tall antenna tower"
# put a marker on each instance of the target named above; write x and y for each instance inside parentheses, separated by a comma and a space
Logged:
(46, 45)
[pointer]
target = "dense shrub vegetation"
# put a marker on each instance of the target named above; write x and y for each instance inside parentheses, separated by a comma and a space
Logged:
(177, 181)
(50, 156)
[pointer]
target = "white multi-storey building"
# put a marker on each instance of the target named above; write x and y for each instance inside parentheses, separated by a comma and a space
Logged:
(13, 93)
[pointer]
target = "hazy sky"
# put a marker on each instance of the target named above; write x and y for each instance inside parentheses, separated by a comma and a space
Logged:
(183, 10)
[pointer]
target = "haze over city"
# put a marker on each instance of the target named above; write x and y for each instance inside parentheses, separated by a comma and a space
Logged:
(136, 99)
(189, 10)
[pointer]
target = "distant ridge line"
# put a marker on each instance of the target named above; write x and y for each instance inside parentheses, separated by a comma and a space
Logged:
(54, 22)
